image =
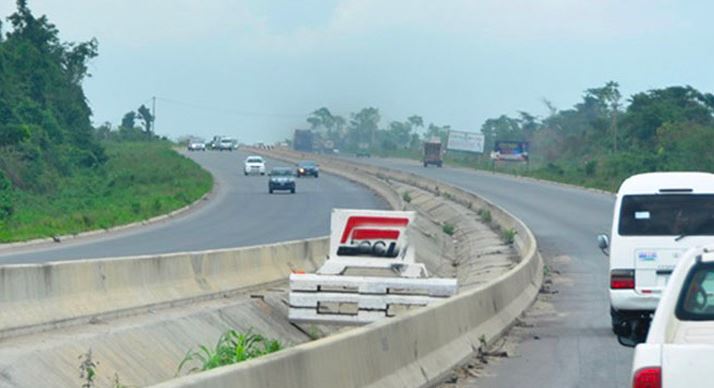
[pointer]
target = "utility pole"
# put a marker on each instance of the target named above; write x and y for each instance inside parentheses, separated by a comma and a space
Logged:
(153, 113)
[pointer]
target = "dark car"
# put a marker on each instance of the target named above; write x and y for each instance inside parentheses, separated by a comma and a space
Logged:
(305, 168)
(281, 178)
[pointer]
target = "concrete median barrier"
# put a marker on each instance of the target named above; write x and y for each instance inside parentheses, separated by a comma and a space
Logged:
(38, 297)
(413, 350)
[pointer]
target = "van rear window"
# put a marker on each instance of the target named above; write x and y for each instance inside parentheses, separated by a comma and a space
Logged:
(667, 215)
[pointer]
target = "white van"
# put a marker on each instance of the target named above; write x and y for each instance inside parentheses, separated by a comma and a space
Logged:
(658, 216)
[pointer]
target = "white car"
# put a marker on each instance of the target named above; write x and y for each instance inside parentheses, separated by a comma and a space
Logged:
(196, 145)
(657, 217)
(227, 144)
(680, 345)
(254, 165)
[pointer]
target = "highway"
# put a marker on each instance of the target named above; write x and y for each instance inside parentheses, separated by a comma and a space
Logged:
(571, 345)
(240, 213)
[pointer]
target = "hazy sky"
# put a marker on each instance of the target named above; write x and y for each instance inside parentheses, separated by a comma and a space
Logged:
(255, 69)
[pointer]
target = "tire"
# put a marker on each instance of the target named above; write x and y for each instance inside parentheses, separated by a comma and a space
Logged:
(292, 191)
(270, 191)
(245, 173)
(317, 175)
(425, 164)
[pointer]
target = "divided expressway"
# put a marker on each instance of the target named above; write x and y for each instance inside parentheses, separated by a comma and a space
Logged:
(240, 213)
(570, 343)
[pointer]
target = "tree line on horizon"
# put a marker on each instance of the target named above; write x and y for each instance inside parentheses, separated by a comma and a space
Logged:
(603, 137)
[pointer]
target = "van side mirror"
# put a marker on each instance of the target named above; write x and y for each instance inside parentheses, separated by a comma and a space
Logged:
(603, 242)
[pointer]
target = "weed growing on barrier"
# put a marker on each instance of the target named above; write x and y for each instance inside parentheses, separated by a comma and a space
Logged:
(232, 347)
(87, 369)
(508, 235)
(485, 215)
(407, 197)
(116, 383)
(88, 372)
(448, 229)
(313, 332)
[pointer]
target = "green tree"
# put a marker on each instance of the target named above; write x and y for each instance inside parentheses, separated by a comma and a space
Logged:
(129, 120)
(45, 128)
(147, 119)
(650, 110)
(364, 125)
(609, 97)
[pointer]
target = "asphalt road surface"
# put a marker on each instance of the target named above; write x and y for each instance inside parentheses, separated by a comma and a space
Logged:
(573, 346)
(241, 213)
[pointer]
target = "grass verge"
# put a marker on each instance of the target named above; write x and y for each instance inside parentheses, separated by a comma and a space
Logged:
(141, 180)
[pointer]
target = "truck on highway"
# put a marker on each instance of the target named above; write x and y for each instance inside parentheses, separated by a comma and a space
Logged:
(432, 153)
(658, 216)
(679, 348)
(303, 140)
(363, 150)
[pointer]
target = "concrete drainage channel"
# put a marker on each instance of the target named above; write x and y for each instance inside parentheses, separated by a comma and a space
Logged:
(140, 315)
(416, 349)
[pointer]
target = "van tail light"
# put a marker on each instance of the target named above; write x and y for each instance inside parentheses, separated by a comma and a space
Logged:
(648, 378)
(621, 279)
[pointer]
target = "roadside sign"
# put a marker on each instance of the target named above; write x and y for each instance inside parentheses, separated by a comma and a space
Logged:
(512, 151)
(465, 141)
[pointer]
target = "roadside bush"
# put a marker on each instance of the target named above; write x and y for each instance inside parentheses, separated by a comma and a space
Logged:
(406, 197)
(448, 229)
(7, 206)
(508, 235)
(485, 215)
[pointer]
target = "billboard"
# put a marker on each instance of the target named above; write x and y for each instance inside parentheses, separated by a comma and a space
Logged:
(516, 151)
(465, 141)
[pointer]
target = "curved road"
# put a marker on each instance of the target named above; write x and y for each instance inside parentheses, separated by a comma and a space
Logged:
(573, 345)
(240, 213)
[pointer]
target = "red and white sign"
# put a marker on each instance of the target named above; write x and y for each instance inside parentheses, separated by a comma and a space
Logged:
(370, 233)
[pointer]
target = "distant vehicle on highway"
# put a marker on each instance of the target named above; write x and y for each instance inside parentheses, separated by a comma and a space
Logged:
(196, 145)
(281, 178)
(307, 167)
(303, 140)
(227, 144)
(432, 153)
(680, 345)
(254, 165)
(657, 217)
(363, 150)
(215, 143)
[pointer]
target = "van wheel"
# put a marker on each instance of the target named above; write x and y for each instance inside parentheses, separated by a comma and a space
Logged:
(270, 191)
(292, 191)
